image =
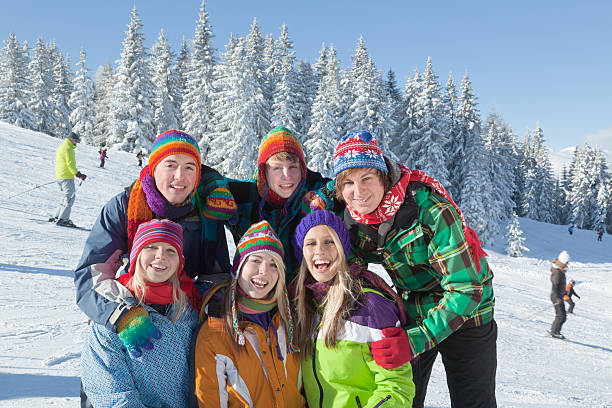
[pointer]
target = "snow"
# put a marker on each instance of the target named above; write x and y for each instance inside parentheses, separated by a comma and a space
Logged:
(41, 327)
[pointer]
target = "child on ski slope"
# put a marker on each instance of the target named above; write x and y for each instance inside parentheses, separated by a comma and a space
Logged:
(340, 309)
(244, 354)
(569, 292)
(167, 311)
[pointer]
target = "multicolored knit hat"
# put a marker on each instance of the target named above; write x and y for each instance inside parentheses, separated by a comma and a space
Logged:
(258, 238)
(320, 217)
(174, 142)
(279, 139)
(157, 231)
(358, 149)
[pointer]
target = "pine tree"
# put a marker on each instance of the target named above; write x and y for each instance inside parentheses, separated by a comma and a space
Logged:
(539, 183)
(235, 106)
(306, 91)
(370, 109)
(60, 92)
(428, 140)
(319, 66)
(285, 109)
(179, 75)
(42, 83)
(197, 107)
(515, 246)
(165, 116)
(132, 100)
(103, 96)
(322, 135)
(402, 142)
(82, 117)
(456, 145)
(15, 85)
(255, 55)
(499, 142)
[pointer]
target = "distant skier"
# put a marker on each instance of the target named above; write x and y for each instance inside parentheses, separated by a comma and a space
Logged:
(557, 277)
(569, 292)
(599, 235)
(102, 156)
(139, 156)
(65, 171)
(571, 230)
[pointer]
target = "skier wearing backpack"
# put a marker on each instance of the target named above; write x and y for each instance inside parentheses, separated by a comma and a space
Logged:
(569, 292)
(557, 292)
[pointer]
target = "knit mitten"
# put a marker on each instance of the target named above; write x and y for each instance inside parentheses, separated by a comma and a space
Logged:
(312, 201)
(220, 204)
(136, 330)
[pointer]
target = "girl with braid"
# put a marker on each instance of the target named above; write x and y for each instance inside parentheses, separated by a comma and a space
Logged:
(244, 353)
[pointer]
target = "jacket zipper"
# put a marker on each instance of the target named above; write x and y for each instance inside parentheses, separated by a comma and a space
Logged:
(314, 370)
(382, 401)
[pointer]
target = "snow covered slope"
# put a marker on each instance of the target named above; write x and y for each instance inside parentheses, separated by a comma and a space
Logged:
(41, 328)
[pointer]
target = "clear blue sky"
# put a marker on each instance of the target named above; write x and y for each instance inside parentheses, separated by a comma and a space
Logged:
(548, 61)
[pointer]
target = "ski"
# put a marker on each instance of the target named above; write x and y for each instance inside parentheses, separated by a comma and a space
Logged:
(52, 221)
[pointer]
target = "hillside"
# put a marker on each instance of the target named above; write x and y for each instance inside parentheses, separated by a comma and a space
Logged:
(41, 327)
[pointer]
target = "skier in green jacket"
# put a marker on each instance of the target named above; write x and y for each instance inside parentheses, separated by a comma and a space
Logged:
(65, 172)
(407, 222)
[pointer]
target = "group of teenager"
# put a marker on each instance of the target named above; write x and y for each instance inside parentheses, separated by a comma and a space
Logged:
(297, 319)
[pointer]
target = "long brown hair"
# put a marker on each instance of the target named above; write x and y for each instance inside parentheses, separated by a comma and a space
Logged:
(343, 293)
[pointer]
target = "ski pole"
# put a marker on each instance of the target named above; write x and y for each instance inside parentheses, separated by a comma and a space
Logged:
(31, 189)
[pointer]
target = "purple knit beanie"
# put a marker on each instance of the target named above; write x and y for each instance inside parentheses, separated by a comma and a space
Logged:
(320, 217)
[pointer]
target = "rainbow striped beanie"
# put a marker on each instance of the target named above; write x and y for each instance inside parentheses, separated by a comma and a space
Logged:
(174, 142)
(157, 231)
(358, 149)
(279, 139)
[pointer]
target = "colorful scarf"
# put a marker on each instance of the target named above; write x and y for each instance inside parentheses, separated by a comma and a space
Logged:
(249, 305)
(391, 202)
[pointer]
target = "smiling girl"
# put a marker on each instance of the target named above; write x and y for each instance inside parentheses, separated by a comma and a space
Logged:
(244, 356)
(340, 309)
(167, 308)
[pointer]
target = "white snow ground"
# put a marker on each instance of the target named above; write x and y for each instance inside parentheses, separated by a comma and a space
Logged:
(41, 327)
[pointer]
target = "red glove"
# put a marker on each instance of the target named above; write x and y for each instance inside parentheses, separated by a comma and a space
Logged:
(392, 351)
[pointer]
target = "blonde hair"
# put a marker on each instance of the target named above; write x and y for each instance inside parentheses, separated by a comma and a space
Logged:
(343, 293)
(279, 295)
(139, 286)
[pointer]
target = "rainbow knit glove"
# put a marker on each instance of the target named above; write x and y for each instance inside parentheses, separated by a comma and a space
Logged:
(313, 201)
(135, 330)
(220, 204)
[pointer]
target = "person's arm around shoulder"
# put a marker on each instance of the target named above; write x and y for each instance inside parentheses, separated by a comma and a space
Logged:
(107, 378)
(394, 386)
(102, 299)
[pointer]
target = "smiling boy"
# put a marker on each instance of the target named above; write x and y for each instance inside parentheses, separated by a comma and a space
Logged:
(278, 192)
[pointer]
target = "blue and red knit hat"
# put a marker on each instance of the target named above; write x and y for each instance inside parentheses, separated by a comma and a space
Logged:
(358, 149)
(320, 217)
(174, 142)
(157, 231)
